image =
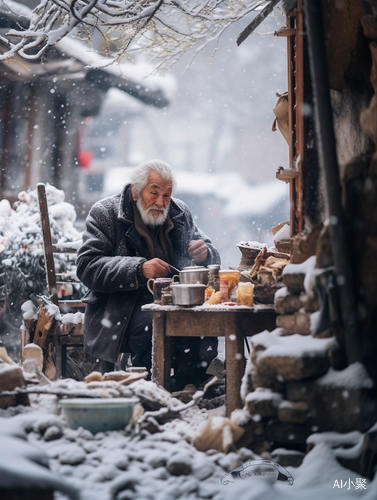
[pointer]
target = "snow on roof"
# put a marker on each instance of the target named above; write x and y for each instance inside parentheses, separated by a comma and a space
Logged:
(354, 376)
(239, 196)
(137, 72)
(291, 345)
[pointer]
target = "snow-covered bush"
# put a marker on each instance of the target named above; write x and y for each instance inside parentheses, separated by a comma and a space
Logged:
(22, 269)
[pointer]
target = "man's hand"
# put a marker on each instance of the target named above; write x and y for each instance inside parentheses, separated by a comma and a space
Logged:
(198, 251)
(155, 268)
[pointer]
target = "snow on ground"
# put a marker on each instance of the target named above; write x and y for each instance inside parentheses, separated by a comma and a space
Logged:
(164, 465)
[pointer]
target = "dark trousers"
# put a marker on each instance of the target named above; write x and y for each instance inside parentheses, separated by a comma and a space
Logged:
(190, 355)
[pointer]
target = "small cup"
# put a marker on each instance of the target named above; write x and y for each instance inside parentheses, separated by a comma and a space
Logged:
(158, 285)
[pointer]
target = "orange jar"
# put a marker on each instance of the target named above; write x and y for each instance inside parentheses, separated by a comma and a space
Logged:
(228, 280)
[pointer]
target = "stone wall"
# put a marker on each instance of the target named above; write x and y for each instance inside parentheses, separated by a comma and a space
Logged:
(297, 381)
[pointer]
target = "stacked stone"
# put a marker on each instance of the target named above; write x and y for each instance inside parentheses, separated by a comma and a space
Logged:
(294, 384)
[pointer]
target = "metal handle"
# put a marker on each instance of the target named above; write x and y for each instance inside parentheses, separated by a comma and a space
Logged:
(151, 279)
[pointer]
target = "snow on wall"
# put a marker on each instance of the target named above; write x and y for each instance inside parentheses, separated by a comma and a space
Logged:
(354, 376)
(291, 345)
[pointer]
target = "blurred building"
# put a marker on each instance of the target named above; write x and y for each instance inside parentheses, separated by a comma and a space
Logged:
(44, 105)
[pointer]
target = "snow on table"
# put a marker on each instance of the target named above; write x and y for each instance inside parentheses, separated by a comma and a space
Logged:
(208, 308)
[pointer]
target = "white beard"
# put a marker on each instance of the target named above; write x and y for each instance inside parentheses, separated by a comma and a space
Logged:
(147, 217)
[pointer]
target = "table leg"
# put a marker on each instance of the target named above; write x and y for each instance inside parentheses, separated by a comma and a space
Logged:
(235, 367)
(161, 351)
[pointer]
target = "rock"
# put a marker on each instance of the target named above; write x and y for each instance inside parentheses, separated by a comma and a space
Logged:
(287, 458)
(260, 446)
(202, 468)
(159, 473)
(263, 402)
(245, 454)
(230, 461)
(295, 323)
(189, 485)
(309, 303)
(295, 412)
(205, 490)
(179, 464)
(284, 432)
(294, 282)
(10, 377)
(73, 455)
(53, 432)
(32, 352)
(304, 246)
(93, 377)
(156, 458)
(45, 421)
(287, 304)
(342, 401)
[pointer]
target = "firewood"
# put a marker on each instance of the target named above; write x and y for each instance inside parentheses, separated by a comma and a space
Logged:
(44, 324)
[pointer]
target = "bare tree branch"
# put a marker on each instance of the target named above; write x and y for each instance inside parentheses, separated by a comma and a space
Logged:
(166, 29)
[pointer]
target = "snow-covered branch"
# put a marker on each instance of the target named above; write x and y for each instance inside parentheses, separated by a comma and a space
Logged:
(166, 29)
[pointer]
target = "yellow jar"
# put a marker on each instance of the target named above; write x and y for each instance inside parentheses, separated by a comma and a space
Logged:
(228, 280)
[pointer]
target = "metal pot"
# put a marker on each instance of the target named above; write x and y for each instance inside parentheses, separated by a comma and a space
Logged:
(194, 274)
(188, 294)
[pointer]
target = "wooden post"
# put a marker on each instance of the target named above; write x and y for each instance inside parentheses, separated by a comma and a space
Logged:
(46, 232)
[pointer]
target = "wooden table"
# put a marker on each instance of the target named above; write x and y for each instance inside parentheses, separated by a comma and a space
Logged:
(232, 322)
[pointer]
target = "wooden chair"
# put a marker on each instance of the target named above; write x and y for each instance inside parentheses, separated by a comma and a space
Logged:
(59, 339)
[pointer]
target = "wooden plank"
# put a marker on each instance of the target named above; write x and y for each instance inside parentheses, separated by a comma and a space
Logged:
(213, 324)
(71, 303)
(47, 243)
(56, 249)
(235, 365)
(62, 278)
(283, 31)
(300, 92)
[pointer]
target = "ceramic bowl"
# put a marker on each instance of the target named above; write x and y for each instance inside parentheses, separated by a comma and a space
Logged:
(98, 415)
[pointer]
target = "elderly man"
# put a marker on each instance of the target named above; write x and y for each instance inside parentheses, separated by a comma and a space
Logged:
(129, 238)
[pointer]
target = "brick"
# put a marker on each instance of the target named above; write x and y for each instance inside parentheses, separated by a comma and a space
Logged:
(263, 402)
(309, 303)
(295, 412)
(294, 282)
(288, 304)
(294, 323)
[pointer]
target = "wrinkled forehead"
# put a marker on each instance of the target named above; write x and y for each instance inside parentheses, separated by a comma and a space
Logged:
(157, 182)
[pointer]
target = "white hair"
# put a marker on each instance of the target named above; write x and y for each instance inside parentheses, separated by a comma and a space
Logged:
(139, 177)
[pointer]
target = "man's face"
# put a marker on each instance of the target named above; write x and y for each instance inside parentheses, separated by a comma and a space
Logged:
(154, 199)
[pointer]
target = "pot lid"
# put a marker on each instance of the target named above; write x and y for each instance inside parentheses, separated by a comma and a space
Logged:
(194, 268)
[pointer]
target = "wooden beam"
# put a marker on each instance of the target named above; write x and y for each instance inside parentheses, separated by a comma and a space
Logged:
(283, 31)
